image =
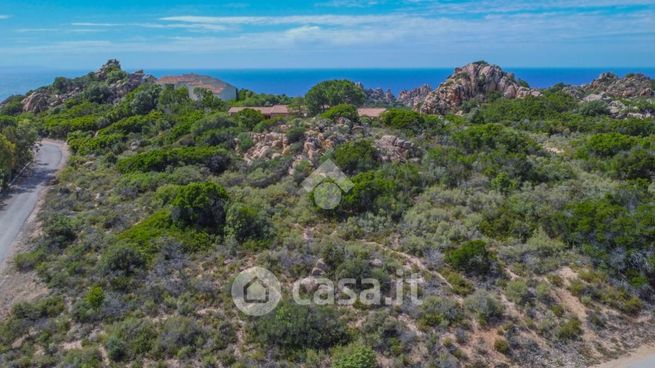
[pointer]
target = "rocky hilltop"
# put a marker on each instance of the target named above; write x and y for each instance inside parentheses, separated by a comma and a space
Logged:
(473, 81)
(108, 84)
(632, 85)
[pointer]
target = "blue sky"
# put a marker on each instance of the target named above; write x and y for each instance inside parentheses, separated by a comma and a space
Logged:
(327, 33)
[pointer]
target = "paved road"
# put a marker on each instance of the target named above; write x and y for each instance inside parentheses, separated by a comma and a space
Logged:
(17, 205)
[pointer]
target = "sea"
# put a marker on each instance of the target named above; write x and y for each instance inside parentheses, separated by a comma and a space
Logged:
(296, 82)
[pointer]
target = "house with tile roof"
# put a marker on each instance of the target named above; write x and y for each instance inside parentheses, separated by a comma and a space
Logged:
(223, 90)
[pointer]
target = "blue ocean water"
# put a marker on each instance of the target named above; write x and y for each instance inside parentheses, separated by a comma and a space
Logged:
(295, 82)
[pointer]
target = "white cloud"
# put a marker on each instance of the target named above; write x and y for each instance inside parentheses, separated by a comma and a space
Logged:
(349, 3)
(332, 20)
(3, 17)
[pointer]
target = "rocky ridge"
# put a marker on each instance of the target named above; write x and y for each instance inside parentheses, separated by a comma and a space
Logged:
(473, 81)
(117, 82)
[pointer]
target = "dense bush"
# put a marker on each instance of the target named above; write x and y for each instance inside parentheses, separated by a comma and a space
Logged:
(321, 327)
(296, 134)
(357, 156)
(249, 118)
(202, 205)
(439, 312)
(402, 119)
(247, 225)
(354, 356)
(215, 159)
(494, 137)
(180, 333)
(606, 145)
(551, 105)
(341, 111)
(472, 257)
(130, 339)
(485, 306)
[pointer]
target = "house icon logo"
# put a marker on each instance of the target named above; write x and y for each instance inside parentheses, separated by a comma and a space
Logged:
(256, 291)
(327, 183)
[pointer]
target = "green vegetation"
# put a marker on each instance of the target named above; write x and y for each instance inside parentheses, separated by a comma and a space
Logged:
(17, 138)
(346, 111)
(332, 93)
(517, 217)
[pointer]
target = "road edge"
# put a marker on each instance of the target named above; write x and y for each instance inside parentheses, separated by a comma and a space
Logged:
(28, 281)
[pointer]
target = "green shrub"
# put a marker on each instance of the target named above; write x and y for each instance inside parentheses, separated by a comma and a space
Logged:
(341, 111)
(502, 346)
(594, 108)
(95, 297)
(606, 145)
(83, 358)
(180, 333)
(484, 306)
(47, 307)
(569, 330)
(216, 159)
(130, 339)
(494, 137)
(517, 291)
(122, 258)
(551, 105)
(249, 118)
(201, 205)
(356, 156)
(402, 119)
(373, 192)
(247, 225)
(354, 356)
(439, 312)
(471, 257)
(321, 327)
(638, 163)
(59, 231)
(144, 235)
(295, 134)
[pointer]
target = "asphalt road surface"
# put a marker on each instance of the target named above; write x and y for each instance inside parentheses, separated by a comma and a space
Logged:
(18, 203)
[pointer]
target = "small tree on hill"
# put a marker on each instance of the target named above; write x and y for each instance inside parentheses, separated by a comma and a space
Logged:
(331, 93)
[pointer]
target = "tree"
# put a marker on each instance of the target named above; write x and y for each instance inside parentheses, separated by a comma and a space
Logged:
(341, 111)
(331, 93)
(246, 224)
(145, 99)
(202, 205)
(471, 257)
(248, 118)
(7, 160)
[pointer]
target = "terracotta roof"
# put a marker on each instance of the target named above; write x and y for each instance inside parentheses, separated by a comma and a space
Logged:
(272, 110)
(191, 81)
(371, 112)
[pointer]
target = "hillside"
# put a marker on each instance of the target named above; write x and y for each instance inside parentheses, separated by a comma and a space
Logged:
(527, 219)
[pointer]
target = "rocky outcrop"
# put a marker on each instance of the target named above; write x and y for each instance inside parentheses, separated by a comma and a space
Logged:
(392, 148)
(37, 102)
(118, 85)
(379, 97)
(473, 81)
(632, 85)
(414, 98)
